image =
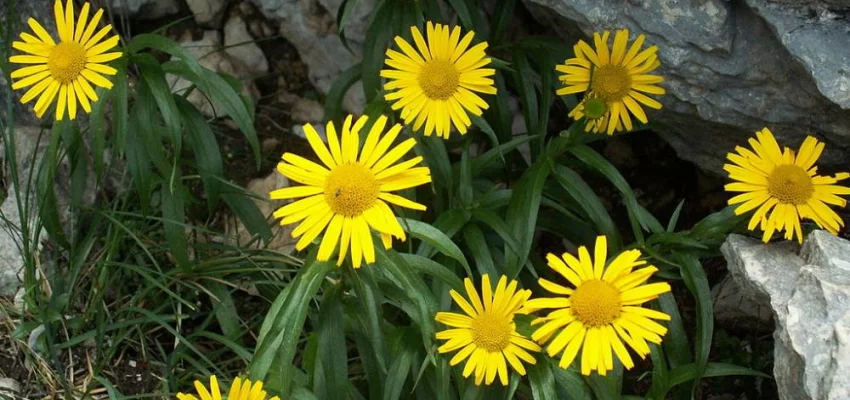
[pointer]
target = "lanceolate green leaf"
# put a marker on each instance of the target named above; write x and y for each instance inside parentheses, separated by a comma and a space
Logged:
(697, 283)
(480, 251)
(414, 288)
(428, 266)
(174, 216)
(691, 372)
(276, 349)
(435, 238)
(204, 145)
(332, 357)
(154, 77)
(370, 299)
(577, 188)
(542, 381)
(522, 214)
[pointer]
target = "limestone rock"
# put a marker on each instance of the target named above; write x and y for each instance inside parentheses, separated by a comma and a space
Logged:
(208, 13)
(9, 387)
(241, 47)
(145, 9)
(809, 295)
(310, 26)
(733, 67)
(733, 307)
(210, 55)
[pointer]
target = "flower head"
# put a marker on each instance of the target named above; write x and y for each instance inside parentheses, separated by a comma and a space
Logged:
(618, 77)
(601, 310)
(784, 187)
(435, 84)
(67, 68)
(240, 389)
(486, 335)
(347, 196)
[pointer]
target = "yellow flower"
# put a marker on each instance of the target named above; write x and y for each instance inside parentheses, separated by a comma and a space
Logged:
(239, 390)
(486, 335)
(785, 186)
(434, 85)
(616, 77)
(602, 311)
(67, 68)
(348, 195)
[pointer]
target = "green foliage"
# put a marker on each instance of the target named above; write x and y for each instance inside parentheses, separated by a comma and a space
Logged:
(140, 260)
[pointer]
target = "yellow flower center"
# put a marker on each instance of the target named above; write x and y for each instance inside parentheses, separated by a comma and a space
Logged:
(611, 82)
(596, 303)
(66, 61)
(351, 189)
(491, 331)
(790, 184)
(439, 79)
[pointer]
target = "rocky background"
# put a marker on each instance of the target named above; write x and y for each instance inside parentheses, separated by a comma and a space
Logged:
(732, 67)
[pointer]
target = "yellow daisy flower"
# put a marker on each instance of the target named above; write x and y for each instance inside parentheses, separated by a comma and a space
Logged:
(348, 195)
(67, 68)
(618, 79)
(602, 311)
(435, 85)
(486, 335)
(784, 185)
(240, 389)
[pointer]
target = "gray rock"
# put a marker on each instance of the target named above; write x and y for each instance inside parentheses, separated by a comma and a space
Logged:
(11, 259)
(824, 248)
(208, 13)
(733, 67)
(145, 9)
(810, 298)
(210, 55)
(732, 307)
(240, 46)
(310, 26)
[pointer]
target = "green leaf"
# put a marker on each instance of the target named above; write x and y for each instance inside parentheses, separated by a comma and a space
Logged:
(502, 17)
(48, 210)
(435, 238)
(598, 163)
(465, 180)
(174, 217)
(276, 349)
(332, 357)
(490, 156)
(428, 266)
(578, 189)
(225, 310)
(223, 96)
(689, 372)
(119, 105)
(342, 18)
(336, 95)
(412, 287)
(485, 127)
(205, 146)
(480, 250)
(676, 341)
(697, 283)
(370, 300)
(522, 214)
(400, 368)
(375, 43)
(164, 44)
(524, 78)
(154, 77)
(97, 123)
(498, 225)
(542, 381)
(463, 13)
(241, 204)
(671, 226)
(571, 383)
